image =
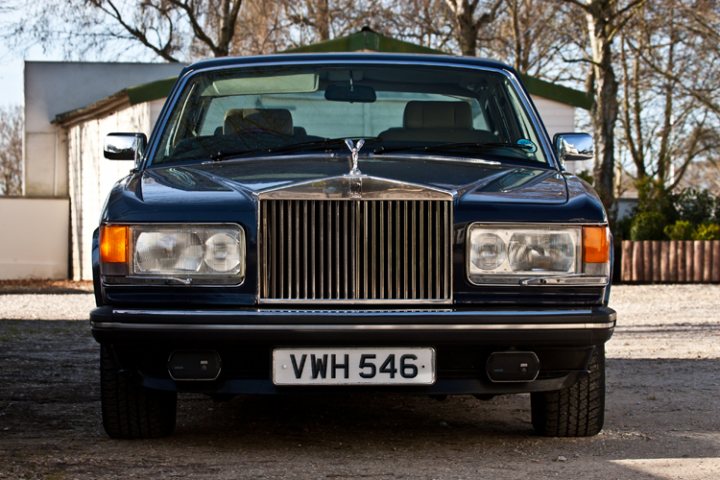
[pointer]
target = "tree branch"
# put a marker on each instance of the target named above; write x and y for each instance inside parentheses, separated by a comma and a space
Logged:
(114, 12)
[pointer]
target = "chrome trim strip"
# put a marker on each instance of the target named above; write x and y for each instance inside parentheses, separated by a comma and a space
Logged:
(567, 280)
(357, 301)
(358, 187)
(351, 328)
(457, 158)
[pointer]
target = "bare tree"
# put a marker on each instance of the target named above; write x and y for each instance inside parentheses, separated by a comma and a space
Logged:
(312, 21)
(171, 29)
(426, 22)
(531, 35)
(11, 151)
(667, 127)
(312, 14)
(469, 21)
(261, 29)
(605, 21)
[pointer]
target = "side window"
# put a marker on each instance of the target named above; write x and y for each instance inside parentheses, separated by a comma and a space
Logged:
(480, 120)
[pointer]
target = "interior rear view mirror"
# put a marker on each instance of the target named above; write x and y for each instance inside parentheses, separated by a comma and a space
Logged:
(350, 93)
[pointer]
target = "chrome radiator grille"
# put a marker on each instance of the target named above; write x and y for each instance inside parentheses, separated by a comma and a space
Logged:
(355, 251)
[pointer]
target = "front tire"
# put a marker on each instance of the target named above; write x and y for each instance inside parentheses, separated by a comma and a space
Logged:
(576, 411)
(128, 409)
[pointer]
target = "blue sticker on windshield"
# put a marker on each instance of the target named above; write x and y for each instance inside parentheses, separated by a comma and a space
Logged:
(528, 144)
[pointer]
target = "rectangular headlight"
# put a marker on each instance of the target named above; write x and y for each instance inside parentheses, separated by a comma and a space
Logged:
(535, 255)
(178, 253)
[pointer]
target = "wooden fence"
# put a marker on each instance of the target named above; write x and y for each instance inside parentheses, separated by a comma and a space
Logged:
(675, 261)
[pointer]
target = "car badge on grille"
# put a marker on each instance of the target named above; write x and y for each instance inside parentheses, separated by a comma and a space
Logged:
(354, 151)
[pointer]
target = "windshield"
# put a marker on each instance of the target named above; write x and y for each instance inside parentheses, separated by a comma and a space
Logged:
(261, 111)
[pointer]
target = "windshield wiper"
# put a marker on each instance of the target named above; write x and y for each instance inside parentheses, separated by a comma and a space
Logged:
(444, 147)
(292, 147)
(311, 145)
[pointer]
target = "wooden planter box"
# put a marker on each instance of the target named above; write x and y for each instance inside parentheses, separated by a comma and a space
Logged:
(674, 261)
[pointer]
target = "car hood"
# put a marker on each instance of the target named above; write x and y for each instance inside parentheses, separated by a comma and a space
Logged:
(250, 177)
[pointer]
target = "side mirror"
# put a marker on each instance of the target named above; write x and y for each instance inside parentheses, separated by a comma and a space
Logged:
(571, 147)
(124, 146)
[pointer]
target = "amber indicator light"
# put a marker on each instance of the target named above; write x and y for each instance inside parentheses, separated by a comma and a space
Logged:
(114, 243)
(596, 245)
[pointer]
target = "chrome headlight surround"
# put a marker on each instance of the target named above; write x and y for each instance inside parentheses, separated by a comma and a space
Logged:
(173, 254)
(536, 254)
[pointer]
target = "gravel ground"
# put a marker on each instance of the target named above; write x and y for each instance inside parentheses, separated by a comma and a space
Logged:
(661, 423)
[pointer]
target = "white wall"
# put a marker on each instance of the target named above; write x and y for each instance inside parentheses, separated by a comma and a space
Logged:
(34, 242)
(52, 88)
(558, 117)
(92, 176)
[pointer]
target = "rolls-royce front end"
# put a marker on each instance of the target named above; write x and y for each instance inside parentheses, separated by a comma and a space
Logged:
(314, 223)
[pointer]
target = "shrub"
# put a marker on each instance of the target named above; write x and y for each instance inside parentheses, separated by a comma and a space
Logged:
(587, 176)
(621, 228)
(696, 206)
(707, 231)
(653, 196)
(680, 230)
(648, 226)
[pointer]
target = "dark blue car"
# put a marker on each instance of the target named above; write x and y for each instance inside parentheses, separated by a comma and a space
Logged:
(323, 223)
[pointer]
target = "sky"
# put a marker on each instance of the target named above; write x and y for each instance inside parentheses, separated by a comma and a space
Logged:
(11, 76)
(11, 65)
(12, 60)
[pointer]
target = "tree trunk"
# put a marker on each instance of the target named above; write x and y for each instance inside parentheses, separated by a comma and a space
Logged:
(322, 20)
(605, 107)
(467, 29)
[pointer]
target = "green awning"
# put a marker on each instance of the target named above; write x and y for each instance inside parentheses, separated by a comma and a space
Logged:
(364, 40)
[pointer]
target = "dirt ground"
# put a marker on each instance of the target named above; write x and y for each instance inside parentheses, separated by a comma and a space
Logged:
(662, 418)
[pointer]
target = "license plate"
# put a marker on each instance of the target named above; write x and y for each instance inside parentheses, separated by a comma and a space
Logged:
(354, 366)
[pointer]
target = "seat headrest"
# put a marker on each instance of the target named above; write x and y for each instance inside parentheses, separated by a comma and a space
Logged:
(435, 114)
(243, 120)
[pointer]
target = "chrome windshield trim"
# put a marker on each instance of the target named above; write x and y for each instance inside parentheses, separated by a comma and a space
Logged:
(352, 328)
(434, 157)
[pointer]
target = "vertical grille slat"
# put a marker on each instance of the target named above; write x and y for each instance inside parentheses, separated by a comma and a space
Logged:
(421, 250)
(381, 269)
(321, 248)
(312, 252)
(355, 250)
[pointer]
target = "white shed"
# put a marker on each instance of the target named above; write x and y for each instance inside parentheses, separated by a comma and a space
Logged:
(91, 176)
(39, 220)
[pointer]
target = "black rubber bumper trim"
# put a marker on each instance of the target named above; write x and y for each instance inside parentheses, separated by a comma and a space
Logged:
(583, 326)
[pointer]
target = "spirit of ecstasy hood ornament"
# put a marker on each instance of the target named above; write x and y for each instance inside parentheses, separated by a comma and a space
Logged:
(354, 151)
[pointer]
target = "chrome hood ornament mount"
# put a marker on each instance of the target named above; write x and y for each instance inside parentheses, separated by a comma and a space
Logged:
(354, 153)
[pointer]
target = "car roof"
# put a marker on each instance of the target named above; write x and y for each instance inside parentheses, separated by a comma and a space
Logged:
(405, 58)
